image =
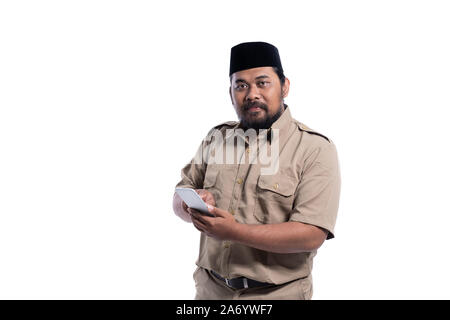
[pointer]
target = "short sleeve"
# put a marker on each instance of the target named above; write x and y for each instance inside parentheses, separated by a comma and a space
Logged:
(317, 195)
(193, 173)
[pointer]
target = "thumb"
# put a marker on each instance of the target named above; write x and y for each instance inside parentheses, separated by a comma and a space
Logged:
(216, 211)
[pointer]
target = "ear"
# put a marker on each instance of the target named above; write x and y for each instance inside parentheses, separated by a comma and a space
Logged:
(231, 97)
(285, 88)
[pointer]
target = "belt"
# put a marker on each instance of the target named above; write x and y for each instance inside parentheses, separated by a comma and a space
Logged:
(241, 282)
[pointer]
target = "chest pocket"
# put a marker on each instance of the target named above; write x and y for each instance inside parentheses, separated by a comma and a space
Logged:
(275, 197)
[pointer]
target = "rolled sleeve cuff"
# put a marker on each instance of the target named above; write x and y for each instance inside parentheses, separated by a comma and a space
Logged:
(297, 217)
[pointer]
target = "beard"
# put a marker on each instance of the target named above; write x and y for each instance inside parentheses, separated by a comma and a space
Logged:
(264, 123)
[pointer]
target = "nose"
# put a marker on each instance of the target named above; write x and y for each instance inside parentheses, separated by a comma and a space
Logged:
(253, 93)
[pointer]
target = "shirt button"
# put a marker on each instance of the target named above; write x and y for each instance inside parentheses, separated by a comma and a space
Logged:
(232, 211)
(275, 186)
(248, 150)
(239, 181)
(226, 245)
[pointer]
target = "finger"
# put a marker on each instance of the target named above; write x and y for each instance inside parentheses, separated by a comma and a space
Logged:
(198, 224)
(210, 201)
(217, 211)
(193, 211)
(206, 196)
(201, 217)
(197, 227)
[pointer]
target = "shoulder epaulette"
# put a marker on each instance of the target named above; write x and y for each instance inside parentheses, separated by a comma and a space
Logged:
(227, 123)
(304, 127)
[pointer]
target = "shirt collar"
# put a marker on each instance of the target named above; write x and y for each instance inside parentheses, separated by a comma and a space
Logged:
(282, 124)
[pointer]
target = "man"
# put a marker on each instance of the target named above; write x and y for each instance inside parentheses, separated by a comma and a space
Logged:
(266, 226)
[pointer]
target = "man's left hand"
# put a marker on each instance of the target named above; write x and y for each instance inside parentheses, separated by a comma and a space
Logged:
(220, 227)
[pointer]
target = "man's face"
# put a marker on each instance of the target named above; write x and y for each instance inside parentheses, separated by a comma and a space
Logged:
(257, 96)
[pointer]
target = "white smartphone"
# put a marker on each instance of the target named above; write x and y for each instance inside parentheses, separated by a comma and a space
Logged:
(193, 200)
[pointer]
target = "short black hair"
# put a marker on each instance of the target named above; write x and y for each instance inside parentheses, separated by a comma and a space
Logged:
(280, 75)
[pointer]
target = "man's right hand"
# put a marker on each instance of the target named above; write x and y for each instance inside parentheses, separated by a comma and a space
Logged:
(205, 195)
(180, 207)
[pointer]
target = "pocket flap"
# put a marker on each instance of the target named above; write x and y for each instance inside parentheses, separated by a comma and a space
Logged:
(281, 184)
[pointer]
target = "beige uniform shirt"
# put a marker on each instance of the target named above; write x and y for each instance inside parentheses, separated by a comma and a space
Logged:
(305, 188)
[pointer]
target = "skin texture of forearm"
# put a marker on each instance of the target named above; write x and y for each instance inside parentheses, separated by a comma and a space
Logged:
(178, 208)
(288, 237)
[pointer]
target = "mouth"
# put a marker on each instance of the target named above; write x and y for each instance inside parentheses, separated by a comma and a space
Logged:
(254, 109)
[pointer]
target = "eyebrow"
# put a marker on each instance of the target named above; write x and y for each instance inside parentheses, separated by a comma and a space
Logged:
(257, 78)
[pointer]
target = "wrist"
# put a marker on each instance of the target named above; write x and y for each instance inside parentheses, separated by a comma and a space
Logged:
(238, 231)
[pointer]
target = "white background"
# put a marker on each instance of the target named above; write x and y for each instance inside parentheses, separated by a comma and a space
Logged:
(103, 102)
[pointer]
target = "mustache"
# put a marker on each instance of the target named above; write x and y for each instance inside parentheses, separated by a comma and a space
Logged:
(249, 104)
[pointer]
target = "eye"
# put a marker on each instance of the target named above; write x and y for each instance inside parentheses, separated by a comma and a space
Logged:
(241, 86)
(262, 83)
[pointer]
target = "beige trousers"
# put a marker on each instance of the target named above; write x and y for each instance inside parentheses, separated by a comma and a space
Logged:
(210, 288)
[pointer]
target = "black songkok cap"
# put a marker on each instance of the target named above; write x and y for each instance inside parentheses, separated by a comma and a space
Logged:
(249, 55)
